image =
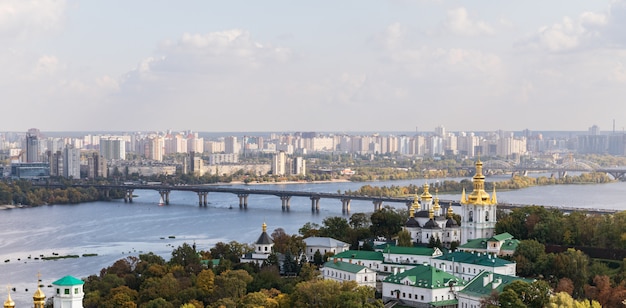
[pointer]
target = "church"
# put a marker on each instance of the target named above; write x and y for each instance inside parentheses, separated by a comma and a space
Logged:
(69, 294)
(428, 222)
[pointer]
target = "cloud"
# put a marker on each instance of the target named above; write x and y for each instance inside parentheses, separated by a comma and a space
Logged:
(590, 30)
(458, 22)
(19, 18)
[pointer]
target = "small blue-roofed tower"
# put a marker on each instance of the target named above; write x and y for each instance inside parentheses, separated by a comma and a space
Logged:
(68, 293)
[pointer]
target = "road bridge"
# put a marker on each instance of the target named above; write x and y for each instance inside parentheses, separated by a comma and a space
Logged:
(285, 196)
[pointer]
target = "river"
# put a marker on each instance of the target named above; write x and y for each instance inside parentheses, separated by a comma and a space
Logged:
(114, 230)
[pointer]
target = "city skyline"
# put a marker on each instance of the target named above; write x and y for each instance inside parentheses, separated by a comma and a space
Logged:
(238, 66)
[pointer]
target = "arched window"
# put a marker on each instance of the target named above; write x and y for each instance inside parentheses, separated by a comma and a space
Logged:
(471, 216)
(486, 215)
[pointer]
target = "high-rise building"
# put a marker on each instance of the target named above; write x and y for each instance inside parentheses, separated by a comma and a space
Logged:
(32, 148)
(113, 148)
(279, 162)
(231, 146)
(71, 159)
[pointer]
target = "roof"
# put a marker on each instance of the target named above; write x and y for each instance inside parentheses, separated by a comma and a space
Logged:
(360, 255)
(451, 223)
(422, 213)
(324, 242)
(344, 266)
(412, 223)
(431, 224)
(418, 251)
(501, 237)
(481, 243)
(444, 303)
(477, 287)
(426, 277)
(483, 259)
(264, 239)
(68, 281)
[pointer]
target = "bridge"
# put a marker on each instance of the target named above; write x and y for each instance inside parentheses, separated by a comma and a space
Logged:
(493, 166)
(285, 196)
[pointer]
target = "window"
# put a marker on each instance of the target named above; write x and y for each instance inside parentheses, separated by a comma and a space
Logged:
(75, 290)
(58, 291)
(471, 216)
(486, 215)
(265, 248)
(422, 297)
(365, 278)
(66, 291)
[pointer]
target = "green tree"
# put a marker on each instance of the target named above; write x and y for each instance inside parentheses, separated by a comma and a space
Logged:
(387, 222)
(404, 239)
(187, 257)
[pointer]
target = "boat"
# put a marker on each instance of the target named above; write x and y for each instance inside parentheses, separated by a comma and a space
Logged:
(161, 202)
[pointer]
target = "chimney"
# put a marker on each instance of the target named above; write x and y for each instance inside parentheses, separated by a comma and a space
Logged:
(487, 279)
(496, 283)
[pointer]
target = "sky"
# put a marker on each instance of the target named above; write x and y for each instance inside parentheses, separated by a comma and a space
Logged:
(366, 65)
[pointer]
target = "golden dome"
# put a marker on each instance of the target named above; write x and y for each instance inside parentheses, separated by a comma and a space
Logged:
(416, 204)
(478, 196)
(9, 303)
(39, 295)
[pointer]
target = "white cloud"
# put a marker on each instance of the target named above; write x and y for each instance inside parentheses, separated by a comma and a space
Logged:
(459, 22)
(20, 18)
(46, 65)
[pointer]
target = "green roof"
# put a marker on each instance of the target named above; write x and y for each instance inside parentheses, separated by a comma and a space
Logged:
(345, 266)
(501, 237)
(483, 259)
(214, 262)
(417, 251)
(360, 255)
(477, 288)
(444, 303)
(481, 243)
(425, 276)
(68, 281)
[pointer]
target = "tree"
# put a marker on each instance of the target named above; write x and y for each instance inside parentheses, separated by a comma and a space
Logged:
(309, 229)
(530, 257)
(318, 259)
(231, 284)
(206, 281)
(404, 239)
(335, 227)
(386, 222)
(187, 257)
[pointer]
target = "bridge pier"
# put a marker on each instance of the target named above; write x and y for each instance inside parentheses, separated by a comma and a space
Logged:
(315, 204)
(243, 201)
(345, 205)
(285, 202)
(128, 195)
(378, 205)
(165, 195)
(202, 198)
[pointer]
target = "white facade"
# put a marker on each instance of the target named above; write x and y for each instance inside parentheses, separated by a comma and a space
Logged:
(344, 271)
(68, 293)
(324, 245)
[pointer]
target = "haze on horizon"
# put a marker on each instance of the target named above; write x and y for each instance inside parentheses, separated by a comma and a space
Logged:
(373, 65)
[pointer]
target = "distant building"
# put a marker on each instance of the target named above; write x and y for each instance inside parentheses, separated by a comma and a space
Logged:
(482, 286)
(32, 148)
(279, 163)
(31, 171)
(501, 244)
(422, 286)
(113, 148)
(262, 249)
(69, 293)
(323, 245)
(345, 271)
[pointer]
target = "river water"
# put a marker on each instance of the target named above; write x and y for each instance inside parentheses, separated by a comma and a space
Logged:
(115, 230)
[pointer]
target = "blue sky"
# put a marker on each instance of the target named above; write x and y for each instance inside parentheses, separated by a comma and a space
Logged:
(393, 65)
